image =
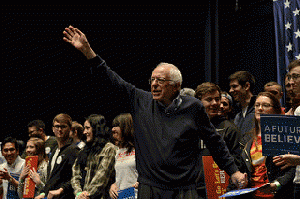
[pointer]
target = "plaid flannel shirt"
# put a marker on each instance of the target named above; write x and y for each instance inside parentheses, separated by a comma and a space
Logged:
(103, 163)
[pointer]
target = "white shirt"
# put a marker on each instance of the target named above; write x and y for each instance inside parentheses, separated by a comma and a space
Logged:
(15, 170)
(126, 173)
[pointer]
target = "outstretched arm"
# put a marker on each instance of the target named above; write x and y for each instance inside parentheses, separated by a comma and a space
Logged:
(78, 39)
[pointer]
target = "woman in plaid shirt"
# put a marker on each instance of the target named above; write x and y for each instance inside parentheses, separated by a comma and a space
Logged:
(93, 168)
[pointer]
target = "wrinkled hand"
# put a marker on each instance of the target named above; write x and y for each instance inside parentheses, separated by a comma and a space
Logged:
(78, 39)
(239, 179)
(286, 161)
(113, 191)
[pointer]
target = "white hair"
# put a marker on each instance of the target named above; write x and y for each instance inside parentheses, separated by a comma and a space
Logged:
(175, 73)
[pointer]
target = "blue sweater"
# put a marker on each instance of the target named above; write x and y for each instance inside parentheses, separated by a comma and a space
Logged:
(166, 138)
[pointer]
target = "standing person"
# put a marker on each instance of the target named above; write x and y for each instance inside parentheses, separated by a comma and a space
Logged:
(76, 134)
(293, 78)
(276, 90)
(241, 89)
(59, 171)
(261, 169)
(168, 128)
(93, 168)
(35, 147)
(125, 166)
(37, 127)
(293, 90)
(210, 96)
(226, 106)
(10, 170)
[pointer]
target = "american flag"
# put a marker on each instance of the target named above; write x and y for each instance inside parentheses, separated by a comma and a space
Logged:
(287, 33)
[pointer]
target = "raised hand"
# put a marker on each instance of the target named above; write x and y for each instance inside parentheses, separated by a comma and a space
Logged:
(78, 39)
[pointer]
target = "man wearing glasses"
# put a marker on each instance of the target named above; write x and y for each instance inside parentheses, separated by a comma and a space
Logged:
(293, 79)
(168, 128)
(59, 171)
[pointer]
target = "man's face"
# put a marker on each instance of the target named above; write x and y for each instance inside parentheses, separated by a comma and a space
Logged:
(211, 102)
(10, 152)
(237, 91)
(61, 131)
(275, 90)
(293, 78)
(161, 87)
(34, 131)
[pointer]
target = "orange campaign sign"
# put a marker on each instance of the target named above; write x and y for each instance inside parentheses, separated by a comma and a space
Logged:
(29, 185)
(216, 180)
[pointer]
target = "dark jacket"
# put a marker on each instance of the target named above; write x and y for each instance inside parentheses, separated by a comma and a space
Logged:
(62, 172)
(284, 177)
(166, 138)
(246, 123)
(231, 135)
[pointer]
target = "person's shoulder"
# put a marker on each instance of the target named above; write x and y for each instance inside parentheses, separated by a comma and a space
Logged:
(20, 160)
(189, 101)
(231, 125)
(109, 148)
(71, 149)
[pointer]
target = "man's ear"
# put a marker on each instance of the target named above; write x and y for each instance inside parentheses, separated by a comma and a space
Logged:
(247, 86)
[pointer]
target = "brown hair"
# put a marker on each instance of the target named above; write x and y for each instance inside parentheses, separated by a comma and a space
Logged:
(63, 118)
(243, 77)
(79, 128)
(206, 87)
(275, 105)
(294, 64)
(40, 149)
(125, 122)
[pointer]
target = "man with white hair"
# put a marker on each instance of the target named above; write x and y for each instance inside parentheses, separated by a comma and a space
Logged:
(168, 128)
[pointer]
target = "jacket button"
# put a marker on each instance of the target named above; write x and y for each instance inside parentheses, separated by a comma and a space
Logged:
(247, 160)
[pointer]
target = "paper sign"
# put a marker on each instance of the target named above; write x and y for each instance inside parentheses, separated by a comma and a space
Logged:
(242, 191)
(216, 180)
(280, 134)
(29, 185)
(127, 193)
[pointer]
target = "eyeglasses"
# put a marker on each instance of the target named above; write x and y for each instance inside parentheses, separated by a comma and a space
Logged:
(293, 76)
(60, 126)
(160, 80)
(264, 105)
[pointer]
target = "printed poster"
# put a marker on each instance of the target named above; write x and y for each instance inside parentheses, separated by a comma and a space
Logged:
(216, 180)
(242, 191)
(280, 134)
(127, 193)
(29, 185)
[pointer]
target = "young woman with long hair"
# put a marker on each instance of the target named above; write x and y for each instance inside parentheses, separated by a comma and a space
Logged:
(126, 173)
(35, 147)
(93, 168)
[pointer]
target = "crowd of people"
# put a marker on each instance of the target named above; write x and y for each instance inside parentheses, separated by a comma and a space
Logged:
(157, 147)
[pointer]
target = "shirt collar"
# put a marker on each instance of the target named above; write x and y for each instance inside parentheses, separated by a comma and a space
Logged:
(174, 105)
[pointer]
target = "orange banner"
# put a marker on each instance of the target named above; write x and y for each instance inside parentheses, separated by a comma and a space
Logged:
(29, 185)
(216, 180)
